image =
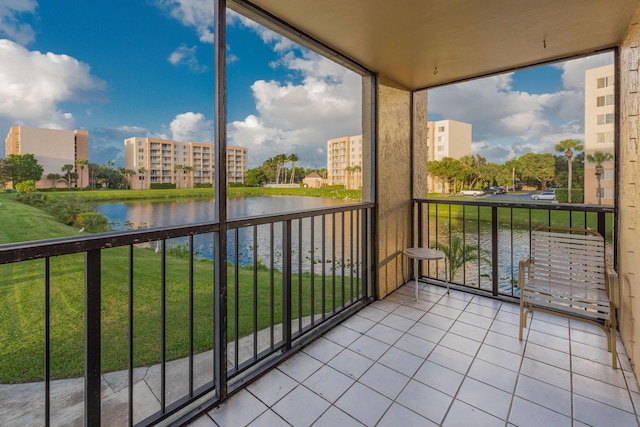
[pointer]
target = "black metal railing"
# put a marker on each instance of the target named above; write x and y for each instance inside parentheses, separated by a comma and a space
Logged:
(484, 241)
(146, 298)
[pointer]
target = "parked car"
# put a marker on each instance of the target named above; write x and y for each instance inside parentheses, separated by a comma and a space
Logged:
(495, 190)
(472, 192)
(547, 195)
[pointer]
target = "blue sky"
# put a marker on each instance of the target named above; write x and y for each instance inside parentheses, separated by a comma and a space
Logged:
(145, 68)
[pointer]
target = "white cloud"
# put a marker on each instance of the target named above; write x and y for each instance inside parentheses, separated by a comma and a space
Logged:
(11, 23)
(319, 99)
(276, 41)
(191, 127)
(34, 84)
(187, 56)
(197, 14)
(131, 130)
(300, 118)
(508, 123)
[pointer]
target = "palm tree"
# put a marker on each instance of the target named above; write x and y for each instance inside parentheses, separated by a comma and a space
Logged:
(458, 254)
(128, 173)
(141, 171)
(67, 169)
(82, 163)
(567, 146)
(93, 169)
(279, 159)
(293, 158)
(599, 157)
(54, 177)
(357, 169)
(347, 177)
(188, 170)
(178, 168)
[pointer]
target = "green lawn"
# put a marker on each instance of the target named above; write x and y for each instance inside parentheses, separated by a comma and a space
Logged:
(22, 300)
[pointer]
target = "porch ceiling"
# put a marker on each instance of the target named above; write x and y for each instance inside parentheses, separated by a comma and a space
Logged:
(405, 40)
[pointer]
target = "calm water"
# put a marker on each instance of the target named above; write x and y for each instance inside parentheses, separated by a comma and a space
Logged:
(157, 214)
(248, 242)
(307, 237)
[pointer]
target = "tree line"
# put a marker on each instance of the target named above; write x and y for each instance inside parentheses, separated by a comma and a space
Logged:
(24, 170)
(279, 169)
(531, 169)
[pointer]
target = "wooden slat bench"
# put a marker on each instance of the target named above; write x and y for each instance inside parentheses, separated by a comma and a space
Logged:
(567, 276)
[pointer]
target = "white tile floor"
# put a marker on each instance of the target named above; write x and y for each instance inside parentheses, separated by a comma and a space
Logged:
(450, 360)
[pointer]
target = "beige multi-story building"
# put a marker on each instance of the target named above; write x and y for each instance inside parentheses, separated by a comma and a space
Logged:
(344, 162)
(185, 164)
(446, 138)
(236, 164)
(599, 133)
(53, 148)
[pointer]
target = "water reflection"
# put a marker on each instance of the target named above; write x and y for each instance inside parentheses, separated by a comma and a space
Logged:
(319, 244)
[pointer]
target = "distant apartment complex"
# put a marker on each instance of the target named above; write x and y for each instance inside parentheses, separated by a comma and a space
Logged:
(599, 132)
(446, 138)
(344, 161)
(185, 164)
(236, 164)
(53, 148)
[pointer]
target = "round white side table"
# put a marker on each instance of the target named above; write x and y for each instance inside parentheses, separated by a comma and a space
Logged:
(424, 254)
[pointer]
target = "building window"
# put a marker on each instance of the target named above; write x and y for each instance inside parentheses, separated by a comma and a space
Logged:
(604, 82)
(140, 150)
(440, 128)
(141, 157)
(439, 139)
(605, 118)
(602, 137)
(604, 100)
(440, 147)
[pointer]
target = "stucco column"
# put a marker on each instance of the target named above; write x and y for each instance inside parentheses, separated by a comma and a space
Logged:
(629, 192)
(395, 172)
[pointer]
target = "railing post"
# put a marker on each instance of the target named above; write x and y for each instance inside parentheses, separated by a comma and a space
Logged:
(286, 283)
(602, 224)
(92, 367)
(494, 250)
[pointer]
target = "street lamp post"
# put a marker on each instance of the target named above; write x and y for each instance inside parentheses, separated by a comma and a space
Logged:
(599, 171)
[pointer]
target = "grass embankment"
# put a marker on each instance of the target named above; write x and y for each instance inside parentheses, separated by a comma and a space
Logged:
(22, 302)
(106, 196)
(521, 217)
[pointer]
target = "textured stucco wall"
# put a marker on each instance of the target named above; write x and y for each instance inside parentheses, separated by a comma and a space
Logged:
(420, 152)
(629, 192)
(394, 184)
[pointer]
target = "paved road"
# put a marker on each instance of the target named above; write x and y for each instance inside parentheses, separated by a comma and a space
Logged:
(520, 196)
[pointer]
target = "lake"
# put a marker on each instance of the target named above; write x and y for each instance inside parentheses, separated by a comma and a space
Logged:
(247, 242)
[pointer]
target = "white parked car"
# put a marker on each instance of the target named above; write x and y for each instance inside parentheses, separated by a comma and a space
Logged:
(472, 192)
(547, 195)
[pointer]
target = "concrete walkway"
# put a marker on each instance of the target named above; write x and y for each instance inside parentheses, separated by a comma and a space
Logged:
(23, 405)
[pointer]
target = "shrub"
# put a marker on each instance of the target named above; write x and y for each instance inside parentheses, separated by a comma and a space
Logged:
(162, 186)
(67, 209)
(577, 195)
(202, 185)
(37, 200)
(93, 222)
(28, 186)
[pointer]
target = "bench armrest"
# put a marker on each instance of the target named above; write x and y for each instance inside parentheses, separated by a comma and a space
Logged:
(611, 284)
(523, 265)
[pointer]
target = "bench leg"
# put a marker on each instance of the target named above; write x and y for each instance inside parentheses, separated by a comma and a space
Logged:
(523, 317)
(612, 338)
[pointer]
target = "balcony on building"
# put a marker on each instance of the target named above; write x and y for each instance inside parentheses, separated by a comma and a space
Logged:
(344, 341)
